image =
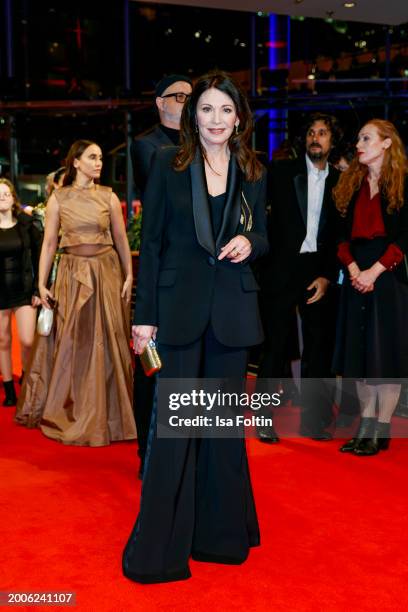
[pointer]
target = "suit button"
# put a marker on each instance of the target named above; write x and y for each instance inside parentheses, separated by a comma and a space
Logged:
(211, 261)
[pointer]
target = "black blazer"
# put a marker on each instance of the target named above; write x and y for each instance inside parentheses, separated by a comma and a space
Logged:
(396, 229)
(31, 238)
(287, 225)
(142, 151)
(182, 287)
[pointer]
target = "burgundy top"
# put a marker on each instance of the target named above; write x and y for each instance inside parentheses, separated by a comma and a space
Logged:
(368, 223)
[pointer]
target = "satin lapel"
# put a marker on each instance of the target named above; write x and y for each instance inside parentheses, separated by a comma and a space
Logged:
(328, 186)
(300, 181)
(232, 209)
(201, 207)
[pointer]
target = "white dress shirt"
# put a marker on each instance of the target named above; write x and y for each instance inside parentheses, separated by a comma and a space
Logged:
(316, 180)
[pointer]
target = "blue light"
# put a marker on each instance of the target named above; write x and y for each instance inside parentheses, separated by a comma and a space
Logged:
(273, 37)
(277, 117)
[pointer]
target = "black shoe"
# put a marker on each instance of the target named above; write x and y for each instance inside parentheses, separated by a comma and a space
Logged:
(379, 441)
(365, 432)
(321, 435)
(11, 397)
(267, 434)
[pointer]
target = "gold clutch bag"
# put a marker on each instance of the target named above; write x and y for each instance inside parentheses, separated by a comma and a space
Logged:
(45, 321)
(150, 359)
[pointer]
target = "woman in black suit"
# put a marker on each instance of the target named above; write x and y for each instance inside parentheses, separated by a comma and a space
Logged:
(20, 245)
(203, 223)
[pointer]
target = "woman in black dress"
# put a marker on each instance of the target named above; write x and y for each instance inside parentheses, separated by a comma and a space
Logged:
(372, 341)
(203, 222)
(20, 245)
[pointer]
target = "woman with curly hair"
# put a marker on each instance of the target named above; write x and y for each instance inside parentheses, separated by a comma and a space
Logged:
(372, 345)
(20, 245)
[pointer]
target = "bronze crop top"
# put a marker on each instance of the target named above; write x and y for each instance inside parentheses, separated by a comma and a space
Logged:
(84, 215)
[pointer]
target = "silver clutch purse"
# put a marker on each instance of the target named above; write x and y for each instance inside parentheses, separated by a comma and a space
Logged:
(45, 321)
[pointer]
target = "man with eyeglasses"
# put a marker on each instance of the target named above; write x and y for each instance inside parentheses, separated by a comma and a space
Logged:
(171, 93)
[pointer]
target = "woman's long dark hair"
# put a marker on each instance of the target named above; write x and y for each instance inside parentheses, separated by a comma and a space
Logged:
(239, 142)
(75, 152)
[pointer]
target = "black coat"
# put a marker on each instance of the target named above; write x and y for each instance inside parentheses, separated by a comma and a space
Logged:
(181, 284)
(142, 151)
(287, 225)
(395, 224)
(31, 238)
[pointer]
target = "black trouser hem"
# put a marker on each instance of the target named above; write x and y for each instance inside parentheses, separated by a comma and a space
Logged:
(211, 558)
(169, 576)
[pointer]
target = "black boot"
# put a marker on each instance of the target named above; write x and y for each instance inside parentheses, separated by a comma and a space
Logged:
(266, 433)
(379, 441)
(365, 432)
(11, 397)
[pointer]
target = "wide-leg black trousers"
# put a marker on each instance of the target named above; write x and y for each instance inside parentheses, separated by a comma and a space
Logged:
(196, 495)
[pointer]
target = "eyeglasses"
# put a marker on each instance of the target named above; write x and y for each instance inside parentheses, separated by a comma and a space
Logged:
(180, 96)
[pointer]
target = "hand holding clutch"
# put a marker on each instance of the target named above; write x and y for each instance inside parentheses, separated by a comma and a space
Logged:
(45, 321)
(150, 359)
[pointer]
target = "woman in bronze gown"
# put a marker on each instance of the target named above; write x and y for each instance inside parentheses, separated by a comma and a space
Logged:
(79, 383)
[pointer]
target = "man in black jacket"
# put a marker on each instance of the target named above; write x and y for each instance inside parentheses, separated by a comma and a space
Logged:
(299, 269)
(171, 93)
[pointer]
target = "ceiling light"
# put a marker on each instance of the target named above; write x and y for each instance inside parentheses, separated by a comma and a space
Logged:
(349, 4)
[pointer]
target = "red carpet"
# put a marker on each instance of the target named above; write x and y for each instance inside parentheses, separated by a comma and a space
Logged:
(333, 527)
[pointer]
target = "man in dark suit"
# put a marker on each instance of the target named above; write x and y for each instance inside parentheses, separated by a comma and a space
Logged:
(171, 93)
(299, 269)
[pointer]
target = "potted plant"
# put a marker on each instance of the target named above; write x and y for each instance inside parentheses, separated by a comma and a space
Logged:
(134, 232)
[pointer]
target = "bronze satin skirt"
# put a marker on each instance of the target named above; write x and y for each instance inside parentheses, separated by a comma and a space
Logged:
(78, 384)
